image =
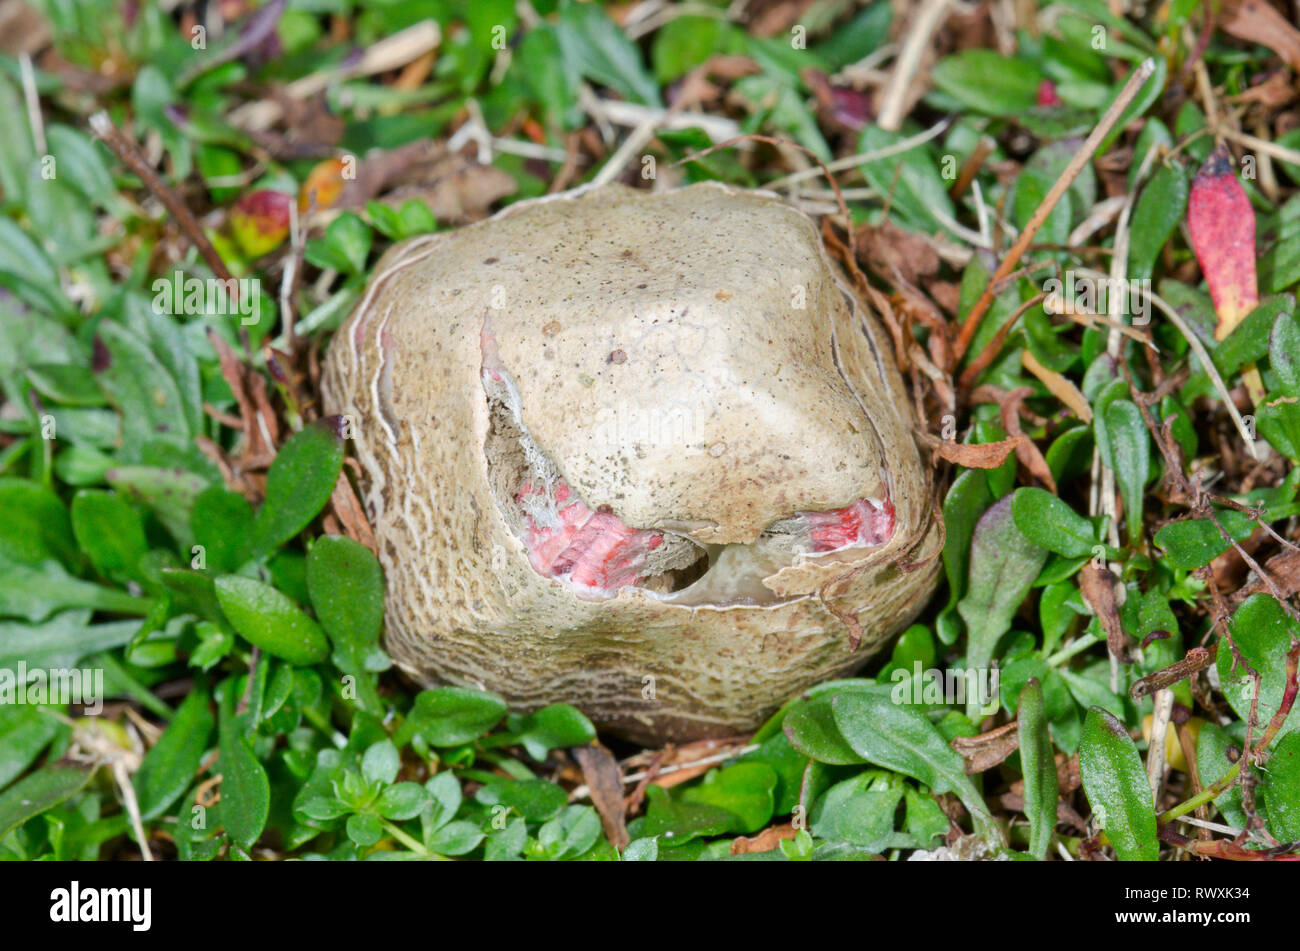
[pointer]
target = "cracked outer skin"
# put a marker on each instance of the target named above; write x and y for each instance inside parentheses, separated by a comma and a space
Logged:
(664, 363)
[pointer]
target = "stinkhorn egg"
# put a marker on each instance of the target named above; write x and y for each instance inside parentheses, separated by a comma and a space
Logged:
(644, 453)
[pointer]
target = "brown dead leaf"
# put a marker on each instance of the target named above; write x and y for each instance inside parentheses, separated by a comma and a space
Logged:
(1098, 586)
(987, 455)
(765, 841)
(605, 782)
(988, 749)
(1283, 568)
(887, 249)
(352, 518)
(1256, 22)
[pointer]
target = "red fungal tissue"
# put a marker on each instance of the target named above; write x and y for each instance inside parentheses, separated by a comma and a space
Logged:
(865, 522)
(593, 550)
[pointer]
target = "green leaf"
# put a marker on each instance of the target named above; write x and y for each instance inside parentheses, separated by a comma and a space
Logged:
(676, 823)
(402, 801)
(1194, 542)
(62, 641)
(553, 727)
(571, 833)
(381, 762)
(35, 593)
(144, 392)
(82, 165)
(347, 593)
(457, 838)
(896, 737)
(267, 618)
(859, 810)
(603, 53)
(1117, 787)
(364, 829)
(1050, 523)
(37, 793)
(1156, 215)
(810, 728)
(170, 766)
(682, 44)
(1147, 94)
(1003, 567)
(25, 730)
(1280, 789)
(1279, 423)
(745, 790)
(911, 178)
(1131, 452)
(967, 500)
(986, 81)
(1250, 340)
(168, 492)
(1039, 767)
(35, 524)
(245, 789)
(110, 532)
(298, 485)
(1262, 632)
(1213, 761)
(1284, 352)
(221, 522)
(534, 799)
(450, 716)
(344, 246)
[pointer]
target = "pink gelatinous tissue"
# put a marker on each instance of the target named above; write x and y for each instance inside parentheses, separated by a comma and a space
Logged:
(865, 522)
(592, 550)
(597, 552)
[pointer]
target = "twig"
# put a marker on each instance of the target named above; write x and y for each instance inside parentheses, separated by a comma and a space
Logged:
(1054, 195)
(130, 153)
(920, 30)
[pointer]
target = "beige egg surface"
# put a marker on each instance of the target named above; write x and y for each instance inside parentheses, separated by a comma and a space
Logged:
(644, 453)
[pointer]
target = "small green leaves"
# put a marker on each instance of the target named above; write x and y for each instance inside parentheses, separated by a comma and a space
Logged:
(1280, 789)
(245, 788)
(556, 726)
(896, 737)
(1262, 634)
(169, 767)
(298, 485)
(1039, 767)
(1117, 787)
(989, 82)
(347, 593)
(1050, 523)
(1194, 542)
(744, 790)
(1131, 454)
(1003, 566)
(344, 246)
(1156, 215)
(450, 716)
(110, 532)
(36, 793)
(269, 619)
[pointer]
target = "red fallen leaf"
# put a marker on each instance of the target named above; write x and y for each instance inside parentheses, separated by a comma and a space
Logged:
(1222, 228)
(325, 182)
(259, 222)
(1047, 94)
